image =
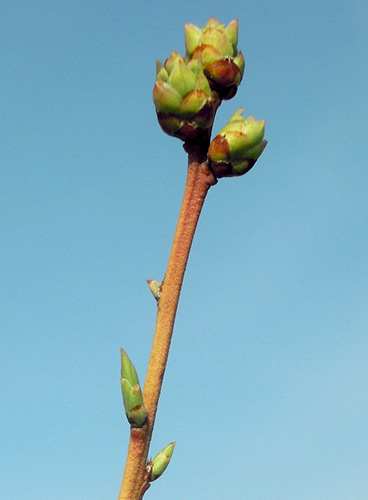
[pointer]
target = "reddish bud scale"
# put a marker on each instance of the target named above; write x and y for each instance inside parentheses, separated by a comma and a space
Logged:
(223, 73)
(187, 130)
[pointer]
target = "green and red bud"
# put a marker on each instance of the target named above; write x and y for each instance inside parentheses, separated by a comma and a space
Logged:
(184, 102)
(215, 47)
(158, 465)
(132, 394)
(237, 146)
(155, 288)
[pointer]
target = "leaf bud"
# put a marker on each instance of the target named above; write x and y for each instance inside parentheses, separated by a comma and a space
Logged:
(132, 394)
(161, 461)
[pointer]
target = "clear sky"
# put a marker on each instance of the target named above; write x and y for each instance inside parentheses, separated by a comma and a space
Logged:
(266, 386)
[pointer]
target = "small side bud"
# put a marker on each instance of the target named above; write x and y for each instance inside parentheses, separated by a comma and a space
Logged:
(132, 394)
(157, 465)
(156, 288)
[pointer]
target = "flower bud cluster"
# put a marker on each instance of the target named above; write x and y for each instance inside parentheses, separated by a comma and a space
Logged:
(189, 90)
(215, 46)
(183, 98)
(237, 146)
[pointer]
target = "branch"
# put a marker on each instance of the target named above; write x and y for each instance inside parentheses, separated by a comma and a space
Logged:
(199, 180)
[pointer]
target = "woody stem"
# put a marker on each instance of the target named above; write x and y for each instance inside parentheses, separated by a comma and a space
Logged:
(199, 180)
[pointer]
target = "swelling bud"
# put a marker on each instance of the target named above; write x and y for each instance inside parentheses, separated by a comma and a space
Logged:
(237, 146)
(215, 46)
(159, 464)
(184, 102)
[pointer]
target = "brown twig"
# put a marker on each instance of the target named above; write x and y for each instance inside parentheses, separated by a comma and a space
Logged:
(199, 180)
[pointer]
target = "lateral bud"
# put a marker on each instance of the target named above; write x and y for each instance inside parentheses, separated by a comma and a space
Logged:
(159, 463)
(156, 288)
(132, 394)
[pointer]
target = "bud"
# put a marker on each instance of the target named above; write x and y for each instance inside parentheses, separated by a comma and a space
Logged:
(237, 146)
(132, 395)
(215, 46)
(160, 462)
(156, 288)
(184, 102)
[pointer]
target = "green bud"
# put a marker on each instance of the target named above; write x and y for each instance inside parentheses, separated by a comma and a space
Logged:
(132, 394)
(184, 102)
(215, 46)
(237, 146)
(161, 461)
(155, 287)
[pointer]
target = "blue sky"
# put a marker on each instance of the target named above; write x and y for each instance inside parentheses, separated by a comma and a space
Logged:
(266, 387)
